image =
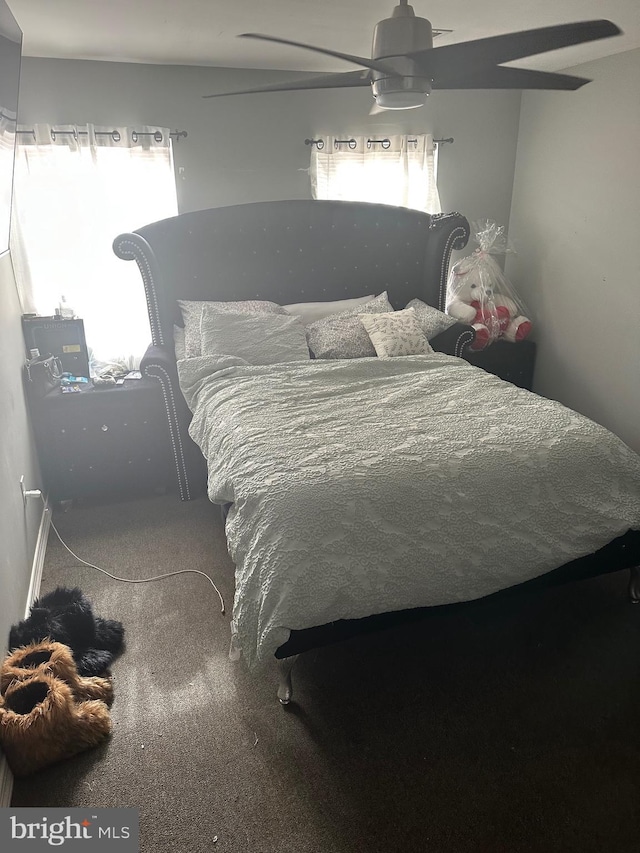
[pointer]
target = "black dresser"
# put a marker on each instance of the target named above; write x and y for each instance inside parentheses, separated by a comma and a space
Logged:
(512, 362)
(104, 441)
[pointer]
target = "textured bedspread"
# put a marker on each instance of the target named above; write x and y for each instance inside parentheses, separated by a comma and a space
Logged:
(371, 485)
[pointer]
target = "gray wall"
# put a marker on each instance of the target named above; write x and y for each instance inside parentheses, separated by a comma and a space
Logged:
(251, 147)
(18, 524)
(576, 222)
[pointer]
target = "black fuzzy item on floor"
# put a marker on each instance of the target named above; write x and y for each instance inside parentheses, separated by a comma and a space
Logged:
(66, 616)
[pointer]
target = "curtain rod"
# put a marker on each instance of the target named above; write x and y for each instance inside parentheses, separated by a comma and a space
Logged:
(114, 134)
(319, 143)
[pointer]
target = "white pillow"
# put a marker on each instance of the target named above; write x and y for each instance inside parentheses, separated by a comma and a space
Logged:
(343, 335)
(309, 312)
(255, 338)
(431, 320)
(178, 342)
(192, 315)
(396, 333)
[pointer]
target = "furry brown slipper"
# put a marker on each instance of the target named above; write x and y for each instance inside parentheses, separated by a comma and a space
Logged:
(41, 723)
(54, 659)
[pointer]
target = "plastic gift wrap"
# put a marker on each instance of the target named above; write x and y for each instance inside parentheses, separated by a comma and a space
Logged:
(479, 294)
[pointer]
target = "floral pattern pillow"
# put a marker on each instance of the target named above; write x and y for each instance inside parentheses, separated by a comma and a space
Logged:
(343, 335)
(397, 333)
(431, 320)
(192, 316)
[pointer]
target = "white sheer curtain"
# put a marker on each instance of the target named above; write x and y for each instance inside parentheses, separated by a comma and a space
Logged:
(76, 189)
(398, 170)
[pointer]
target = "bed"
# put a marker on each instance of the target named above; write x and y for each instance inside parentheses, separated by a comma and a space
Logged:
(362, 492)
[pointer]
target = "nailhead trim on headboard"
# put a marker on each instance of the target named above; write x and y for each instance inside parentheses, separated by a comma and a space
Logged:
(459, 236)
(130, 250)
(174, 427)
(464, 338)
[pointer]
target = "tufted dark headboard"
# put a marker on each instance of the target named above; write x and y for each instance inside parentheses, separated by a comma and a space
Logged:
(292, 251)
(284, 251)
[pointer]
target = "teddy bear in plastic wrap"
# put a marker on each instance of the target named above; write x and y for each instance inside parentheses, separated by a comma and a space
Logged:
(479, 294)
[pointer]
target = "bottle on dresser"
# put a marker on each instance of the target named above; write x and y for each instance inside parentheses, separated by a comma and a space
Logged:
(64, 310)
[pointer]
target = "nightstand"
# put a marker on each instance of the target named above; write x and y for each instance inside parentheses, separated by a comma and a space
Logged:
(106, 441)
(512, 362)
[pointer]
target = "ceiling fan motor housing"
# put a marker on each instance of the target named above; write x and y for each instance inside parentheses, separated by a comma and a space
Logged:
(393, 38)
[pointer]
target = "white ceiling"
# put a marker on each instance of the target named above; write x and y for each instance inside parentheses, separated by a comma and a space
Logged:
(202, 32)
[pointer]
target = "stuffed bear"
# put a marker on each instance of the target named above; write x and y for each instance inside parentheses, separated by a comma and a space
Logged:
(472, 300)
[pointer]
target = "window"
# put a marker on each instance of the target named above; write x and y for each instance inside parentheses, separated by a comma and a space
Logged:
(76, 189)
(398, 170)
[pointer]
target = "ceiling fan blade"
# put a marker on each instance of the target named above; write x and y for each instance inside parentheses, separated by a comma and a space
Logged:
(505, 48)
(319, 81)
(499, 77)
(375, 65)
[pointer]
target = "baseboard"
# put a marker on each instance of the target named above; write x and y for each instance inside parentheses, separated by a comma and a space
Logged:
(6, 776)
(38, 557)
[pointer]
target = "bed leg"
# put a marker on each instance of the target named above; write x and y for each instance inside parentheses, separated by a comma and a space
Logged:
(634, 585)
(285, 689)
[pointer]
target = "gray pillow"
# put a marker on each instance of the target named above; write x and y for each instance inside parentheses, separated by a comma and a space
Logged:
(343, 335)
(255, 338)
(192, 315)
(431, 320)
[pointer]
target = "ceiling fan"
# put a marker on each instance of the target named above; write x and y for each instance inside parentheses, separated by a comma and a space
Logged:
(405, 67)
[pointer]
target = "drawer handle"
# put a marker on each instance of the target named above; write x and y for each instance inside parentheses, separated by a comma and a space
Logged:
(104, 428)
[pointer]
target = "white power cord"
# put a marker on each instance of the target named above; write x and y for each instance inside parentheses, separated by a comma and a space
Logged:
(37, 493)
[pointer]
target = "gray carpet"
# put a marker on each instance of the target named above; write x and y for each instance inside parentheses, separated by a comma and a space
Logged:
(513, 726)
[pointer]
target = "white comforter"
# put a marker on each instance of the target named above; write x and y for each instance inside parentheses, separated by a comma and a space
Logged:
(372, 485)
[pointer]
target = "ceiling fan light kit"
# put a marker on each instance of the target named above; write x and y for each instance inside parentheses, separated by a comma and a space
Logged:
(405, 66)
(393, 38)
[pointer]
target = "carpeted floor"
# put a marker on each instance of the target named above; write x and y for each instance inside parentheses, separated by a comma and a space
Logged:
(510, 727)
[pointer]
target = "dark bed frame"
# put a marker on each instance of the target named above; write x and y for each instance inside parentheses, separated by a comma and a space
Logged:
(299, 251)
